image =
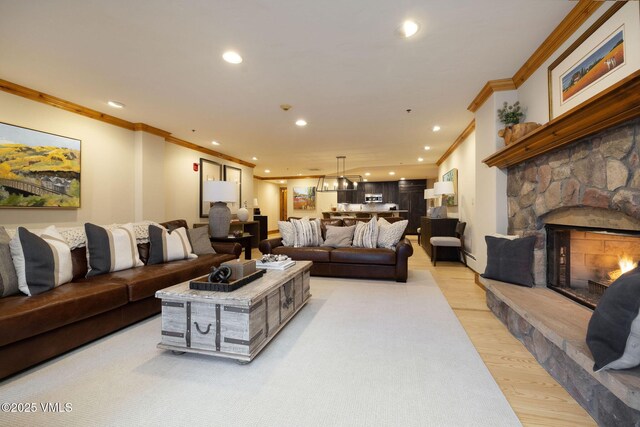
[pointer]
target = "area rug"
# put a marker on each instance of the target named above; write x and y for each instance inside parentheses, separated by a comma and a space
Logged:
(360, 353)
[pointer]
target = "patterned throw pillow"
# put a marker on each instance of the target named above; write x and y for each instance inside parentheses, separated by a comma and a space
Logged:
(165, 246)
(307, 233)
(200, 243)
(8, 277)
(287, 233)
(41, 262)
(111, 250)
(390, 234)
(366, 234)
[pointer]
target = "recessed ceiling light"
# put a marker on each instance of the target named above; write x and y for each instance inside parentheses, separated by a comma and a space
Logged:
(267, 171)
(420, 159)
(215, 142)
(426, 147)
(254, 158)
(392, 173)
(367, 174)
(409, 28)
(301, 122)
(115, 104)
(436, 128)
(232, 57)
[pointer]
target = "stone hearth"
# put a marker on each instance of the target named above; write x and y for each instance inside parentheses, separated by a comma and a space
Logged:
(594, 178)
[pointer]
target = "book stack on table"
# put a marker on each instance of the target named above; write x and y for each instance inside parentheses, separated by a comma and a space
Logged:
(275, 265)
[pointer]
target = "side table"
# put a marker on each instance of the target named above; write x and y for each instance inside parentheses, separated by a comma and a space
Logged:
(244, 240)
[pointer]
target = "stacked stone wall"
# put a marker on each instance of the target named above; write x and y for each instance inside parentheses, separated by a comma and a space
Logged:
(601, 171)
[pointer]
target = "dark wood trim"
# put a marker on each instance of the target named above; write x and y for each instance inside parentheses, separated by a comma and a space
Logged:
(569, 25)
(195, 147)
(614, 105)
(459, 140)
(488, 90)
(150, 129)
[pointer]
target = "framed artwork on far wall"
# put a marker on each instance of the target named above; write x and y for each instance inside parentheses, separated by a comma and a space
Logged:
(38, 169)
(304, 198)
(606, 53)
(234, 175)
(209, 171)
(452, 199)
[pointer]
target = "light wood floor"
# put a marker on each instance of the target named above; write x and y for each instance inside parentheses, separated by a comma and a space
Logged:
(536, 398)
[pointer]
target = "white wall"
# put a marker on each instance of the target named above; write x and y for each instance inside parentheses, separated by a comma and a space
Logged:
(324, 201)
(125, 175)
(107, 165)
(268, 195)
(463, 159)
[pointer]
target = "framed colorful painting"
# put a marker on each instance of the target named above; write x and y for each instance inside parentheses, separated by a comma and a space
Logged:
(38, 169)
(304, 198)
(605, 54)
(451, 199)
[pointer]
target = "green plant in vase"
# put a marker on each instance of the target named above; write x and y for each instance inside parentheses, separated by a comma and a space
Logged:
(510, 114)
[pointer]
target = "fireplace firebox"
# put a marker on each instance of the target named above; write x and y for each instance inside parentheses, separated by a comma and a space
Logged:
(582, 262)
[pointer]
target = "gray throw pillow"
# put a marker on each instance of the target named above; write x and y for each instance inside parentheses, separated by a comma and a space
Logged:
(510, 261)
(200, 242)
(339, 237)
(8, 277)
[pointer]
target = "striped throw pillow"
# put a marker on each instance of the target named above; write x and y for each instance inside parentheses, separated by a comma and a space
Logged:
(165, 246)
(366, 234)
(41, 262)
(307, 233)
(111, 250)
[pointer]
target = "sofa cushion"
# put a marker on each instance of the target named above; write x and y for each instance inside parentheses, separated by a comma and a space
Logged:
(8, 277)
(144, 282)
(22, 317)
(200, 242)
(339, 237)
(165, 246)
(42, 262)
(111, 250)
(366, 235)
(363, 256)
(317, 254)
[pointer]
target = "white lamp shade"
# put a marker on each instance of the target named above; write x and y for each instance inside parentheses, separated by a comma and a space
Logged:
(255, 202)
(443, 187)
(220, 191)
(429, 193)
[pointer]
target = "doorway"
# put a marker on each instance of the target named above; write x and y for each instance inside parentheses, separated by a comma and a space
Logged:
(283, 204)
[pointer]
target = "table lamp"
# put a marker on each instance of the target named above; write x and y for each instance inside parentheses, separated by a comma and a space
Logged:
(220, 193)
(442, 188)
(256, 209)
(429, 195)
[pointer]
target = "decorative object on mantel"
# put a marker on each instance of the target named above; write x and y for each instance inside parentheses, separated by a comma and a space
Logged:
(243, 213)
(510, 116)
(606, 53)
(340, 181)
(219, 192)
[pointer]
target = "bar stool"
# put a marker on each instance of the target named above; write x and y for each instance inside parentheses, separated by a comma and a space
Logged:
(451, 242)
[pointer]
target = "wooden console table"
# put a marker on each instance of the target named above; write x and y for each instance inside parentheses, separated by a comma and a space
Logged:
(431, 227)
(250, 227)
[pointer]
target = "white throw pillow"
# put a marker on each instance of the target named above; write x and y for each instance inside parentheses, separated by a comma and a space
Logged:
(389, 234)
(366, 234)
(287, 233)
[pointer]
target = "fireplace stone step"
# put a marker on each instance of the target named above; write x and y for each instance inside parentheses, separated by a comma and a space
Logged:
(554, 328)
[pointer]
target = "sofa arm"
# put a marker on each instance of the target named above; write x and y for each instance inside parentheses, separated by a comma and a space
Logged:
(404, 249)
(268, 245)
(227, 248)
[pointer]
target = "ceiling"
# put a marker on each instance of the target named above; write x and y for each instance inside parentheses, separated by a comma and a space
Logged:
(340, 64)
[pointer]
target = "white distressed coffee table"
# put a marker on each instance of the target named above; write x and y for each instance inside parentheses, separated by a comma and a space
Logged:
(236, 324)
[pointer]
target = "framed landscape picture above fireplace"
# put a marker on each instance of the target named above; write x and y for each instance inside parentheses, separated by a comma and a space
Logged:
(38, 169)
(606, 53)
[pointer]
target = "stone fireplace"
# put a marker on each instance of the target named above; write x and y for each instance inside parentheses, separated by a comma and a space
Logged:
(591, 185)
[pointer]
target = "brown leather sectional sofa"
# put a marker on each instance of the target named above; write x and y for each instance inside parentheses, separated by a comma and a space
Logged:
(363, 263)
(37, 328)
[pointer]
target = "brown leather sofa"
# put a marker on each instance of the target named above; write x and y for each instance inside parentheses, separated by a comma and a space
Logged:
(363, 263)
(36, 328)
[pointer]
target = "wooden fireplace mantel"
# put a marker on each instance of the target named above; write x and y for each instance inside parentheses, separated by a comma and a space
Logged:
(614, 105)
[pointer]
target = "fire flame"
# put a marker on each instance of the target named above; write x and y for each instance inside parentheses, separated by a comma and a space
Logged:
(626, 264)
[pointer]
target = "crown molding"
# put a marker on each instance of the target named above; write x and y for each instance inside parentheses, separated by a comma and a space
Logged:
(488, 90)
(465, 133)
(54, 101)
(270, 178)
